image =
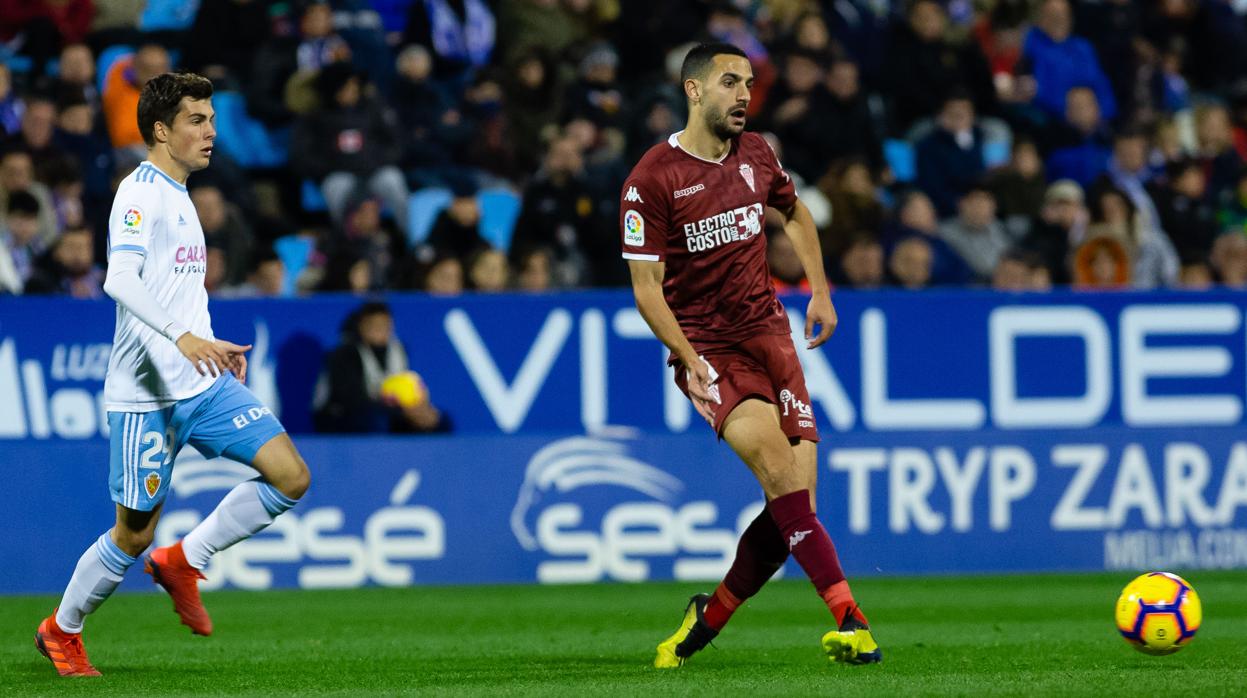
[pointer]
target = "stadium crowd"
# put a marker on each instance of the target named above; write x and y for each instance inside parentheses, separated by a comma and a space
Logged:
(444, 145)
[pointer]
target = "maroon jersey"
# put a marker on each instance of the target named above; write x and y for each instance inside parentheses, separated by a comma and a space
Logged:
(705, 219)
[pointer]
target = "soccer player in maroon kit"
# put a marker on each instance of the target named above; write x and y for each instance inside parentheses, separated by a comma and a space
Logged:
(692, 215)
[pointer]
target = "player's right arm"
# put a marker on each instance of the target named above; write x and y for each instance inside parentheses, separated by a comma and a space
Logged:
(647, 289)
(644, 224)
(130, 228)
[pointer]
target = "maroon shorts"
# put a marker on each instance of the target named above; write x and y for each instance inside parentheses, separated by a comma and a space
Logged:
(764, 367)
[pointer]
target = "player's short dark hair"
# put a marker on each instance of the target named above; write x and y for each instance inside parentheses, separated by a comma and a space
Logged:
(372, 308)
(162, 98)
(698, 60)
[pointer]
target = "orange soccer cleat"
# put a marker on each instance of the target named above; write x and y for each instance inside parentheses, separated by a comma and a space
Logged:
(64, 649)
(169, 568)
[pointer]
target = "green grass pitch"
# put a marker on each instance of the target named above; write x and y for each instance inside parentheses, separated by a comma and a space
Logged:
(1018, 635)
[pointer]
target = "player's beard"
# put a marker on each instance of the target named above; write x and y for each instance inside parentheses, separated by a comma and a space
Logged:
(719, 123)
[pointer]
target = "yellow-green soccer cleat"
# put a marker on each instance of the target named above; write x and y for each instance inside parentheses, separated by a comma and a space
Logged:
(692, 635)
(852, 643)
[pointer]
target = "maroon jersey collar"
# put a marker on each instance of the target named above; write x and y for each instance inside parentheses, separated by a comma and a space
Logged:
(674, 141)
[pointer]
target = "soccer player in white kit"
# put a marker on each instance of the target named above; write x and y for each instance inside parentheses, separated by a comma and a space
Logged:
(170, 382)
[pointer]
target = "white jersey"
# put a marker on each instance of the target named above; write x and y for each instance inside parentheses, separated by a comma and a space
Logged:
(153, 214)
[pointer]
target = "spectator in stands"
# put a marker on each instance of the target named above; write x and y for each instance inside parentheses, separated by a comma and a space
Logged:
(1211, 32)
(1229, 260)
(19, 234)
(976, 234)
(122, 85)
(460, 33)
(287, 64)
(1217, 154)
(950, 158)
(350, 146)
(456, 231)
(915, 215)
(224, 227)
(488, 271)
(1113, 27)
(76, 75)
(597, 94)
(1100, 263)
(909, 265)
(533, 269)
(1062, 219)
(923, 66)
(860, 266)
(1185, 213)
(40, 27)
(1129, 170)
(1080, 147)
(17, 173)
(266, 278)
(222, 42)
(848, 125)
(1019, 188)
(431, 125)
(558, 212)
(443, 276)
(215, 265)
(1154, 260)
(348, 393)
(1020, 270)
(70, 268)
(1060, 61)
(76, 136)
(854, 204)
(35, 136)
(1196, 277)
(534, 99)
(365, 237)
(798, 105)
(66, 186)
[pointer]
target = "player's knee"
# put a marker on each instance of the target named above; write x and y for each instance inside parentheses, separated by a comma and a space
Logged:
(131, 542)
(296, 483)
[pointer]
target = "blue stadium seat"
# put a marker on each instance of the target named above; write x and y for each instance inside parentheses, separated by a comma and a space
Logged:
(168, 15)
(313, 200)
(422, 210)
(245, 139)
(901, 158)
(107, 58)
(499, 209)
(294, 251)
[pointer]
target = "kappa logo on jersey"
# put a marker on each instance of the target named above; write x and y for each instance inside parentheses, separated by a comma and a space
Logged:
(735, 225)
(689, 191)
(131, 221)
(633, 197)
(747, 172)
(634, 229)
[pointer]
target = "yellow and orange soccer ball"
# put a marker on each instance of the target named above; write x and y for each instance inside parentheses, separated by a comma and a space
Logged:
(1158, 613)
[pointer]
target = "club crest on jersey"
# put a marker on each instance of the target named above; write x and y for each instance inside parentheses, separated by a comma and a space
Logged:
(152, 484)
(633, 197)
(131, 220)
(634, 229)
(747, 172)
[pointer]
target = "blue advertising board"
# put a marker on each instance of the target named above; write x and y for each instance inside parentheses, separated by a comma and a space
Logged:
(435, 510)
(954, 361)
(962, 432)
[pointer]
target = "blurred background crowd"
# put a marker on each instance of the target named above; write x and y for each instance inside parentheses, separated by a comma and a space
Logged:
(452, 145)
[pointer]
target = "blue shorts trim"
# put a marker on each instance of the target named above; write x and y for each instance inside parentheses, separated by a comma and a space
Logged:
(224, 420)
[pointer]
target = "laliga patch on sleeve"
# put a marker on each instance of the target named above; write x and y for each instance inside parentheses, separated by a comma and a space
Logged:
(634, 229)
(132, 221)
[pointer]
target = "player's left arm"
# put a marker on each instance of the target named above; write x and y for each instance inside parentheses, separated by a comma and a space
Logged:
(800, 228)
